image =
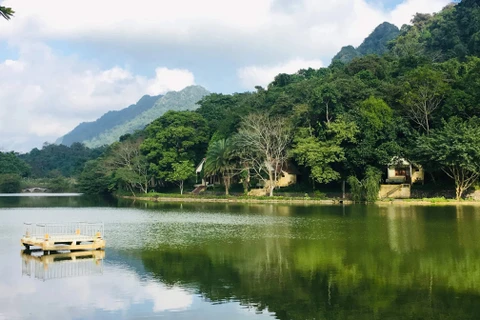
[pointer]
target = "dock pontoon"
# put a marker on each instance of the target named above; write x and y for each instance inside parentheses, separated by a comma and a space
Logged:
(73, 236)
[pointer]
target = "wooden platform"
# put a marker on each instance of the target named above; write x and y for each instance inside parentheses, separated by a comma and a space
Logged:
(63, 237)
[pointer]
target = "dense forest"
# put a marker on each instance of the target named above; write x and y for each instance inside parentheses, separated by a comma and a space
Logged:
(419, 100)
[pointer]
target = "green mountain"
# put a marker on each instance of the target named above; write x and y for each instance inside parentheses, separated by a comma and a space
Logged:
(112, 125)
(454, 32)
(375, 43)
(89, 130)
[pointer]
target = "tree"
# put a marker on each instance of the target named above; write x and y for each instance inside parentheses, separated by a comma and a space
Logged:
(181, 172)
(425, 90)
(10, 163)
(173, 138)
(264, 141)
(10, 183)
(455, 149)
(129, 166)
(94, 179)
(221, 160)
(321, 154)
(6, 13)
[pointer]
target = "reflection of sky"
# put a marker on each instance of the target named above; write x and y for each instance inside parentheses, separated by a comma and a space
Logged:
(118, 293)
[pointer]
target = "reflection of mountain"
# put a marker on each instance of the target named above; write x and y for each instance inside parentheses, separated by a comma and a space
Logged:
(63, 265)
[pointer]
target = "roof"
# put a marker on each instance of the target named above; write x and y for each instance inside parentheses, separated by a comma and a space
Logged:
(199, 168)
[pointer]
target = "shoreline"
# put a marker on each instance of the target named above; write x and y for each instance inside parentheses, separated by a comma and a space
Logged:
(424, 202)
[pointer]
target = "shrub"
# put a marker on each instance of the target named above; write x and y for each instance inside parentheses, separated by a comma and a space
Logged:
(10, 183)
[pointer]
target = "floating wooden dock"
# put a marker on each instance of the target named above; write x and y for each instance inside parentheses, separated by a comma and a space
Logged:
(54, 237)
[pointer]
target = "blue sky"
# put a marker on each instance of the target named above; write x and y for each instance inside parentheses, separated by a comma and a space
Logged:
(62, 64)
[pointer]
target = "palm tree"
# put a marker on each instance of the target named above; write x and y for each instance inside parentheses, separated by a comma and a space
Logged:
(5, 12)
(220, 160)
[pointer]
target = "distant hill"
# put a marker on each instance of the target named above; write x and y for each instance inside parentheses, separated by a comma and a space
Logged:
(89, 130)
(375, 43)
(112, 125)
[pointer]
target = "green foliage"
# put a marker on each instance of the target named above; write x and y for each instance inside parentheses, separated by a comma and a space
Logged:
(455, 149)
(173, 138)
(180, 172)
(6, 13)
(371, 184)
(59, 184)
(221, 160)
(53, 160)
(94, 179)
(320, 155)
(10, 183)
(356, 188)
(368, 188)
(10, 163)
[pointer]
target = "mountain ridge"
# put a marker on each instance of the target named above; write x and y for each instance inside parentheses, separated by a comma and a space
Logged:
(113, 124)
(375, 43)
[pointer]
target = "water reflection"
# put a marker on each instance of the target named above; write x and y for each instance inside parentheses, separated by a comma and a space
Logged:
(231, 261)
(62, 265)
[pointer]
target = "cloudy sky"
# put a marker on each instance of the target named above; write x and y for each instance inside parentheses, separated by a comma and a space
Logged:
(65, 62)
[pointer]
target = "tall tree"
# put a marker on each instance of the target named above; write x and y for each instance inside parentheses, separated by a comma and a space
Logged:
(175, 137)
(424, 91)
(455, 149)
(221, 160)
(321, 154)
(128, 165)
(264, 141)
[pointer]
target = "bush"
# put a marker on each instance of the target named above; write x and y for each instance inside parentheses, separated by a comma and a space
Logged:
(59, 184)
(368, 188)
(371, 184)
(10, 183)
(356, 188)
(319, 195)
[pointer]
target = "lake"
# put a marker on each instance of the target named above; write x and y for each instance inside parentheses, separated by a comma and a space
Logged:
(245, 261)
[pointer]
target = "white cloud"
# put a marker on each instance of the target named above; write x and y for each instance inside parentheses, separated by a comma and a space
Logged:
(170, 79)
(271, 30)
(45, 95)
(252, 76)
(88, 294)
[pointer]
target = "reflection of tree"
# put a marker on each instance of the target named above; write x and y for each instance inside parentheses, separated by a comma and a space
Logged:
(352, 272)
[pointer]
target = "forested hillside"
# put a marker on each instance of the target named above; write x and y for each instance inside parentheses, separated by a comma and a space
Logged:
(419, 100)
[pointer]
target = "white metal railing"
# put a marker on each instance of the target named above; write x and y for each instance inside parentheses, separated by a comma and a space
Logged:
(86, 229)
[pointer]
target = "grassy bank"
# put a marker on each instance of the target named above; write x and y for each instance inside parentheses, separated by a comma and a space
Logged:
(165, 197)
(172, 197)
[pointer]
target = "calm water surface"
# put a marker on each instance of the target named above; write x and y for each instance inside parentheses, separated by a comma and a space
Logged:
(234, 261)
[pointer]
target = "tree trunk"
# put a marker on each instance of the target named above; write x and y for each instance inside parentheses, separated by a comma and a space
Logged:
(459, 192)
(181, 187)
(226, 182)
(271, 190)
